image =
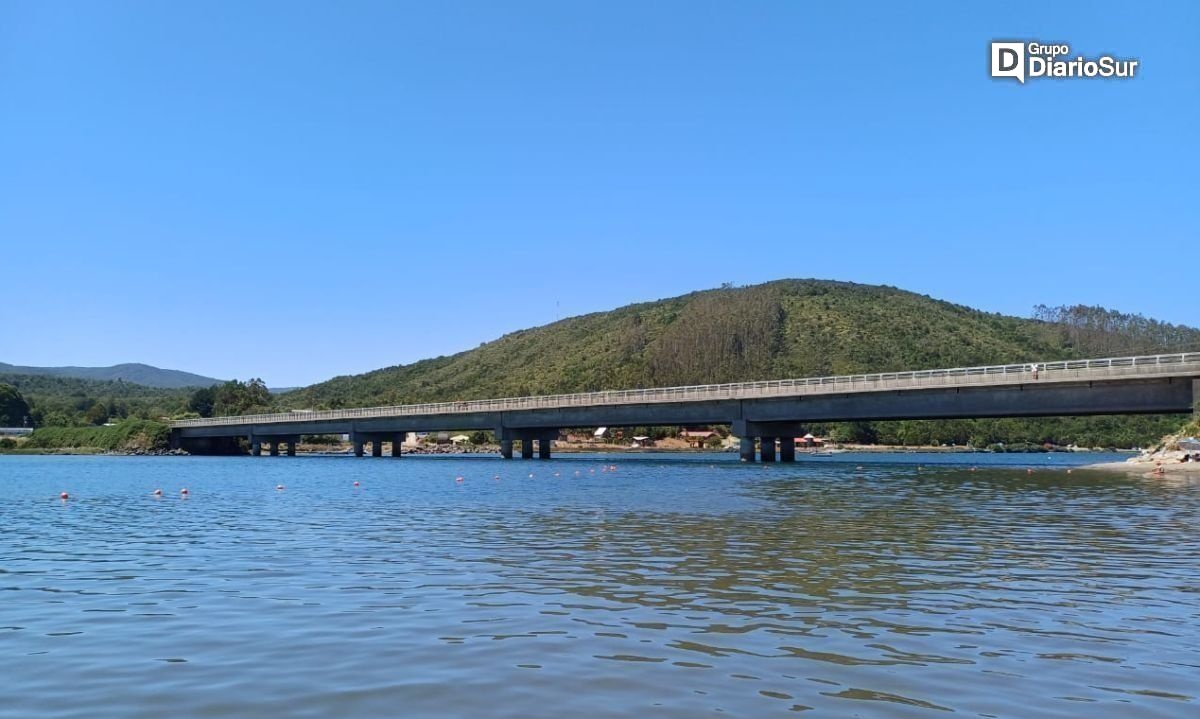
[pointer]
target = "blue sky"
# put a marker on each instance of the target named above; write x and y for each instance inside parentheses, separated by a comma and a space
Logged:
(299, 190)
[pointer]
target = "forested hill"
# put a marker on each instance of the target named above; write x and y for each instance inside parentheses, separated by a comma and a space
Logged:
(136, 373)
(788, 328)
(68, 401)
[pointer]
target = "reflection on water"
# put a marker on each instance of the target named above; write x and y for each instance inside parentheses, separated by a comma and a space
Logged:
(668, 587)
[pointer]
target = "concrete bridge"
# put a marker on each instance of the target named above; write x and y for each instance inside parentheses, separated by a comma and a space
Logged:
(764, 410)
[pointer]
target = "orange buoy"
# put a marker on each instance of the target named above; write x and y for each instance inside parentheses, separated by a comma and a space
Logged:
(64, 495)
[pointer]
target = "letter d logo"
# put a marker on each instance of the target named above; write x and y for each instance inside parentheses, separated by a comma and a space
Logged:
(1008, 60)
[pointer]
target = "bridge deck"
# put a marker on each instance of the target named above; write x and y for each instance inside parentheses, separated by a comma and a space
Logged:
(1112, 370)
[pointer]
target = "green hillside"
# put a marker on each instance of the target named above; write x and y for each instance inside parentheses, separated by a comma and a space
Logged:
(788, 328)
(69, 401)
(136, 373)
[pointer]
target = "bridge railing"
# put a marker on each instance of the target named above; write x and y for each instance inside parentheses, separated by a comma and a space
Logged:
(1063, 370)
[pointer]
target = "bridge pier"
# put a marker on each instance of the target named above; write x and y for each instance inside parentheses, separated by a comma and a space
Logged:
(376, 446)
(357, 440)
(746, 448)
(544, 438)
(274, 447)
(767, 433)
(291, 446)
(398, 443)
(766, 448)
(255, 446)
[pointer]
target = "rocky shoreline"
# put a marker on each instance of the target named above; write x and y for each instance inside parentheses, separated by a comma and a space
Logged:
(1167, 459)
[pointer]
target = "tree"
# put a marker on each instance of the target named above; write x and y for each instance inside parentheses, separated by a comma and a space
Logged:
(14, 410)
(236, 397)
(97, 414)
(854, 432)
(202, 401)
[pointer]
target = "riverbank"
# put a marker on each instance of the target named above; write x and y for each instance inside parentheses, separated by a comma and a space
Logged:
(52, 451)
(1158, 464)
(128, 437)
(1165, 459)
(139, 448)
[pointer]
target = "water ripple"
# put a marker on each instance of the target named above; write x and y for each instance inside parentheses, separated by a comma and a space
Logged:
(663, 589)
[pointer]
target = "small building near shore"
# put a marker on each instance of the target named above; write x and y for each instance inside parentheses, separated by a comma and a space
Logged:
(697, 437)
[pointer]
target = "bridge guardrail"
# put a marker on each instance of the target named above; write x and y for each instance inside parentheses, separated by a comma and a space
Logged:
(1062, 370)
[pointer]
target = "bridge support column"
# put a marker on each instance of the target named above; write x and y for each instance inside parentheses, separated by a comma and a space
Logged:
(357, 440)
(255, 446)
(526, 446)
(766, 448)
(545, 442)
(505, 437)
(291, 446)
(376, 446)
(274, 447)
(746, 448)
(787, 449)
(398, 443)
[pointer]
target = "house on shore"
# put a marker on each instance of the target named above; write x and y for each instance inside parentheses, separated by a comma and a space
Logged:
(697, 437)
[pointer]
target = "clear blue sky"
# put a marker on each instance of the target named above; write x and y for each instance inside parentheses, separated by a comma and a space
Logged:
(299, 190)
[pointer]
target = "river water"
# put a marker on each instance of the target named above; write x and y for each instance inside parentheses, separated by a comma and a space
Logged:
(616, 586)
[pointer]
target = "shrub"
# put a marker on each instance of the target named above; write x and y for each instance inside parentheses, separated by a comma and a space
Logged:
(128, 435)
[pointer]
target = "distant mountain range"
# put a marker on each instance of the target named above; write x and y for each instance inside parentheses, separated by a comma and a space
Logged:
(136, 373)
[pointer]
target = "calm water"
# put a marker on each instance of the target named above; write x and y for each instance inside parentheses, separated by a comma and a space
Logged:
(673, 587)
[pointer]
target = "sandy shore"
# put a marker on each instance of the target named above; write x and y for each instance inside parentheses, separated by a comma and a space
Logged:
(1156, 465)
